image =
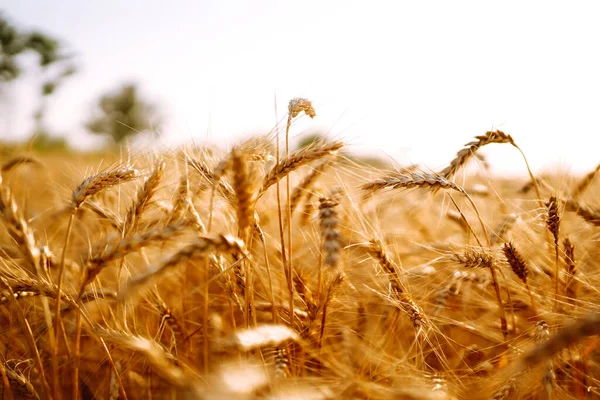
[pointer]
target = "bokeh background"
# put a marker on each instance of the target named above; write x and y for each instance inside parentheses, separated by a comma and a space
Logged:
(408, 81)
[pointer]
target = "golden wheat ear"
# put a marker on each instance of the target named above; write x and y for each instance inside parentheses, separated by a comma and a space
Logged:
(99, 182)
(297, 159)
(199, 247)
(553, 224)
(519, 266)
(143, 198)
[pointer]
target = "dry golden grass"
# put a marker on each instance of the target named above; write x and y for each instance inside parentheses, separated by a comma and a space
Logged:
(193, 275)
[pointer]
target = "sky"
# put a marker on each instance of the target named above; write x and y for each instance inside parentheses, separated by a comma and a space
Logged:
(411, 81)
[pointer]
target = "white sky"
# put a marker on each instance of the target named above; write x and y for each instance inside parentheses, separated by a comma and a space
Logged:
(414, 80)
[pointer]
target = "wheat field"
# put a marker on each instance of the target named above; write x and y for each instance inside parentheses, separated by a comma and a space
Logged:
(258, 272)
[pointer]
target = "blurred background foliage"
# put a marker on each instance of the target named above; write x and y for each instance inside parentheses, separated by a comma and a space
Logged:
(119, 115)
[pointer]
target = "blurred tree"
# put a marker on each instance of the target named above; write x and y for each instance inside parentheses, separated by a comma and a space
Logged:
(14, 43)
(43, 141)
(123, 114)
